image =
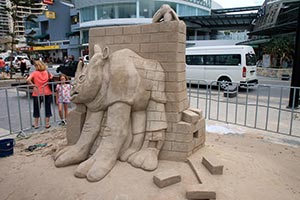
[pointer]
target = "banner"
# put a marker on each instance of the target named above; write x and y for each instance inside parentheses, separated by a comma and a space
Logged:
(50, 14)
(42, 48)
(49, 2)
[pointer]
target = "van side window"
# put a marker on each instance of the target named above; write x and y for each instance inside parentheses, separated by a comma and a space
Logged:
(195, 60)
(250, 59)
(226, 59)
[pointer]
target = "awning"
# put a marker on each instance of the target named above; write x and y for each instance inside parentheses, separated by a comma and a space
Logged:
(220, 22)
(255, 41)
(43, 36)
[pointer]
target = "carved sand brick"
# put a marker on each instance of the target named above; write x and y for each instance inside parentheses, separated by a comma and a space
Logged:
(174, 67)
(182, 146)
(212, 164)
(114, 30)
(166, 178)
(150, 47)
(96, 33)
(190, 116)
(150, 28)
(199, 192)
(130, 30)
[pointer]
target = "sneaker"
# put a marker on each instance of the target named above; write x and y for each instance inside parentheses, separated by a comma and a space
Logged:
(62, 123)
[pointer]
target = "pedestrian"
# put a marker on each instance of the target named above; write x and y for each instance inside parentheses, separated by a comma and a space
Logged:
(23, 66)
(2, 66)
(39, 79)
(7, 69)
(63, 98)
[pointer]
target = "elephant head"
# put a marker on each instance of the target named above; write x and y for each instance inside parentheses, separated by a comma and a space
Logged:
(88, 78)
(164, 13)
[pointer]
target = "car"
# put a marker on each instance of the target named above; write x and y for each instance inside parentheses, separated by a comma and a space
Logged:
(86, 59)
(15, 61)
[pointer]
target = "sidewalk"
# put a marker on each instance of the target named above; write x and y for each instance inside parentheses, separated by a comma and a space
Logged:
(17, 78)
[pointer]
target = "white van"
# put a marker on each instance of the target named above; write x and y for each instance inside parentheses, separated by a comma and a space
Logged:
(222, 64)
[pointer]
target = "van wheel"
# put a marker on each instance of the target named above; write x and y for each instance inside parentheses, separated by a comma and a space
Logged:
(224, 82)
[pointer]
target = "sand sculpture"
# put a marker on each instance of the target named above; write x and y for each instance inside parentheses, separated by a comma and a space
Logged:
(122, 87)
(164, 13)
(128, 107)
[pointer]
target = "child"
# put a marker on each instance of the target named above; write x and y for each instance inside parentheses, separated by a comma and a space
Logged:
(7, 69)
(63, 90)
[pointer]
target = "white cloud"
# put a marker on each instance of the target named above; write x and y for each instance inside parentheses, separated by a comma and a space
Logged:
(239, 3)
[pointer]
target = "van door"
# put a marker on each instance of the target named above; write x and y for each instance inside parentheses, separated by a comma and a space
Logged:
(194, 67)
(251, 66)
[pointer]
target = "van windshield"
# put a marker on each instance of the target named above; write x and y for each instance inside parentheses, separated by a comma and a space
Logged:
(250, 59)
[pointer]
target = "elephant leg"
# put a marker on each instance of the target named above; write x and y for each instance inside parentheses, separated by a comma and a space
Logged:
(76, 153)
(138, 120)
(114, 136)
(147, 157)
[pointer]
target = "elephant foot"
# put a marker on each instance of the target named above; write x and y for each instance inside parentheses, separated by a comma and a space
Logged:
(70, 155)
(124, 157)
(84, 167)
(97, 166)
(146, 159)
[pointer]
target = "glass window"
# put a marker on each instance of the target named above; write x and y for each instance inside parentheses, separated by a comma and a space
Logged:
(85, 37)
(146, 9)
(126, 10)
(106, 11)
(229, 59)
(250, 59)
(87, 14)
(195, 59)
(74, 19)
(184, 10)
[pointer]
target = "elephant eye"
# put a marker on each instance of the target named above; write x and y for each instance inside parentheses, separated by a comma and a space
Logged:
(81, 77)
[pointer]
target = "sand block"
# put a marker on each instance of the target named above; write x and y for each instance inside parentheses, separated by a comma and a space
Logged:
(190, 116)
(166, 178)
(212, 164)
(199, 192)
(193, 165)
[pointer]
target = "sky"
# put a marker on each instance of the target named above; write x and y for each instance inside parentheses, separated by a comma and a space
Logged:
(239, 3)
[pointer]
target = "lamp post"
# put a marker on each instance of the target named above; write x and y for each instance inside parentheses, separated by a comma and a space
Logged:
(295, 82)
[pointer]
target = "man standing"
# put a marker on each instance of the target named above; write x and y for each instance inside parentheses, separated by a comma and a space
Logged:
(2, 66)
(23, 66)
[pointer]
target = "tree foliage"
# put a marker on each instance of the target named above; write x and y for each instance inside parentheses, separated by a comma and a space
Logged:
(278, 48)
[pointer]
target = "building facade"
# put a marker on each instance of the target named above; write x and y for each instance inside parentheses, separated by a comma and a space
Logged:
(68, 32)
(95, 13)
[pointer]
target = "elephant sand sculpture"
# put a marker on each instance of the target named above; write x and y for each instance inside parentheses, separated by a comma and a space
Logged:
(165, 13)
(123, 93)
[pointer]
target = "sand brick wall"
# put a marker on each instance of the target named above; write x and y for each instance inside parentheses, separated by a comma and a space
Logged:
(164, 42)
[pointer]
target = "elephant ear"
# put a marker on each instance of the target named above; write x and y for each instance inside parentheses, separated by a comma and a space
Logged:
(105, 53)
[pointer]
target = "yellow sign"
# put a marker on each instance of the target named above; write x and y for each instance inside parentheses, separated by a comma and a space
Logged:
(42, 48)
(50, 14)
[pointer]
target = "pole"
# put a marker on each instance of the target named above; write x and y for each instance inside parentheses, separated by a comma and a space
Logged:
(295, 82)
